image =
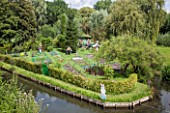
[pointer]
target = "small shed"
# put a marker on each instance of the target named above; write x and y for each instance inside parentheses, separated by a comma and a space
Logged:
(84, 40)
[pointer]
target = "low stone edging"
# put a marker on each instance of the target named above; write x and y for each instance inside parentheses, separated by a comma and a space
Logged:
(115, 105)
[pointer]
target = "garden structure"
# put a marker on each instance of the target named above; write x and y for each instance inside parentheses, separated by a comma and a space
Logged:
(85, 41)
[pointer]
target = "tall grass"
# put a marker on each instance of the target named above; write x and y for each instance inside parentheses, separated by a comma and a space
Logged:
(166, 53)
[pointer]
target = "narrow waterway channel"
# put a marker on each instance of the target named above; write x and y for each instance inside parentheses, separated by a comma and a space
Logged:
(61, 103)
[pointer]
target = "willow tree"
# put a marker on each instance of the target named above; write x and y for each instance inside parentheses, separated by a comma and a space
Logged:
(125, 18)
(141, 18)
(97, 21)
(17, 24)
(154, 15)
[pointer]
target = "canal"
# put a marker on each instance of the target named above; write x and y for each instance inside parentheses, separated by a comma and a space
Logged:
(56, 102)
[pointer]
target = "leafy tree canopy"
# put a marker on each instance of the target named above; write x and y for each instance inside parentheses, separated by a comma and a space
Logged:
(97, 22)
(141, 18)
(102, 4)
(134, 54)
(17, 24)
(40, 11)
(55, 9)
(85, 14)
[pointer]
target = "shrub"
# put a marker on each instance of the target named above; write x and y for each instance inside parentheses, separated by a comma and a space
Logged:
(108, 72)
(35, 67)
(163, 39)
(166, 72)
(15, 101)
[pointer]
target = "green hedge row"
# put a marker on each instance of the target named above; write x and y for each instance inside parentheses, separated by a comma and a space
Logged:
(112, 87)
(34, 67)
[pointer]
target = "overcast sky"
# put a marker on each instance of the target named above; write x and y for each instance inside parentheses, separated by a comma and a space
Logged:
(81, 3)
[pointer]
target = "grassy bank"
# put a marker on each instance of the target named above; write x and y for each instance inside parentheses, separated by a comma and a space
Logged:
(166, 53)
(140, 91)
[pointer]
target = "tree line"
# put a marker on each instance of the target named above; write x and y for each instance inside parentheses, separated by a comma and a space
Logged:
(24, 24)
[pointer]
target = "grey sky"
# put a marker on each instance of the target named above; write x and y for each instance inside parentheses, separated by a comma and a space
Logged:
(82, 3)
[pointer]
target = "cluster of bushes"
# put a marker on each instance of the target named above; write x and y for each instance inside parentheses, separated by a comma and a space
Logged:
(13, 100)
(114, 87)
(164, 39)
(34, 67)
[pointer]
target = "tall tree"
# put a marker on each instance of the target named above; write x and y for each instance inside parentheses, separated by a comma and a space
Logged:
(40, 11)
(17, 24)
(55, 9)
(142, 18)
(154, 14)
(97, 21)
(61, 24)
(85, 14)
(72, 30)
(125, 18)
(103, 4)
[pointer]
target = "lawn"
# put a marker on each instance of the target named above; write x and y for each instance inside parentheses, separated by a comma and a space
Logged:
(166, 53)
(67, 63)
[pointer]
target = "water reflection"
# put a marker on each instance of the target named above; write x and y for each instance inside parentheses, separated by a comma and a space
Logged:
(62, 103)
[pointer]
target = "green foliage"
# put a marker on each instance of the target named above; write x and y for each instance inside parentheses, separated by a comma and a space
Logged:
(61, 25)
(97, 21)
(140, 90)
(12, 100)
(112, 87)
(61, 41)
(47, 31)
(55, 9)
(22, 63)
(94, 85)
(134, 54)
(127, 20)
(166, 72)
(40, 11)
(47, 43)
(71, 32)
(17, 24)
(166, 26)
(165, 51)
(85, 14)
(154, 15)
(140, 18)
(109, 72)
(163, 39)
(103, 4)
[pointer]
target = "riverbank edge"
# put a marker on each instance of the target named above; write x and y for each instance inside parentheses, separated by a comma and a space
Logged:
(115, 105)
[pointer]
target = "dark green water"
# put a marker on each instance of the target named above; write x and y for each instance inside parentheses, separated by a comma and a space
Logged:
(62, 103)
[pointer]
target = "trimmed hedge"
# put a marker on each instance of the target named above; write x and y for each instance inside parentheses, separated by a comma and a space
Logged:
(34, 67)
(112, 87)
